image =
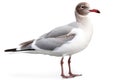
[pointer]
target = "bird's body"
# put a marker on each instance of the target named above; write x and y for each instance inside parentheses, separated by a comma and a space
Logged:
(80, 34)
(65, 40)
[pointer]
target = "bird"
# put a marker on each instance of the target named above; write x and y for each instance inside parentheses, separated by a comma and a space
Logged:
(64, 40)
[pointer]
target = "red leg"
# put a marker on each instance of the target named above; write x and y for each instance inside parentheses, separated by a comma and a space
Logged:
(62, 70)
(70, 73)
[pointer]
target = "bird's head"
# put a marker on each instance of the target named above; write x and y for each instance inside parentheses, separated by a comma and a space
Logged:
(83, 8)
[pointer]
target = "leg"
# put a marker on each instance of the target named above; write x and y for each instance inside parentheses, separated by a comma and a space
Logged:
(62, 70)
(69, 61)
(70, 73)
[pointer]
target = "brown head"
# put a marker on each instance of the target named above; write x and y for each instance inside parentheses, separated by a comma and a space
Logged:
(83, 8)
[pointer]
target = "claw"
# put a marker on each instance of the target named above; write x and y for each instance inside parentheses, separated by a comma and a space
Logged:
(71, 76)
(75, 75)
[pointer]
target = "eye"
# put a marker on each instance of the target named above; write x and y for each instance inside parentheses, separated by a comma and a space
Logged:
(83, 7)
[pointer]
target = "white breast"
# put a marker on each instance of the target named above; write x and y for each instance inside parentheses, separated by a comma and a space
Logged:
(80, 41)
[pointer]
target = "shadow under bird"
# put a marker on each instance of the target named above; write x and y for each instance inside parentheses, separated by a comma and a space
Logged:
(64, 40)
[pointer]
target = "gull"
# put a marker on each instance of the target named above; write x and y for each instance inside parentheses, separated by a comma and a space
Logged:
(64, 40)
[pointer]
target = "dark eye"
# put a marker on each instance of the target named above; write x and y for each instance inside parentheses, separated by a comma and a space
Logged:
(83, 7)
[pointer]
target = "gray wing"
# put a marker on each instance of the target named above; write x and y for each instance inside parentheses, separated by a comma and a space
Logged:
(52, 43)
(55, 38)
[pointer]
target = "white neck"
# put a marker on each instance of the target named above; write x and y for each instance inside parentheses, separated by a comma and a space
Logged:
(84, 22)
(81, 18)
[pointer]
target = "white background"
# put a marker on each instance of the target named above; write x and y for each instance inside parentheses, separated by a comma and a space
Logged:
(22, 20)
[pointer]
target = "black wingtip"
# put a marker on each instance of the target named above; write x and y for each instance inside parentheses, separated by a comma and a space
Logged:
(15, 50)
(10, 50)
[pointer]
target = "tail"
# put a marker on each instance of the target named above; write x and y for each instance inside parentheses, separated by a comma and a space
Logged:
(11, 50)
(15, 50)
